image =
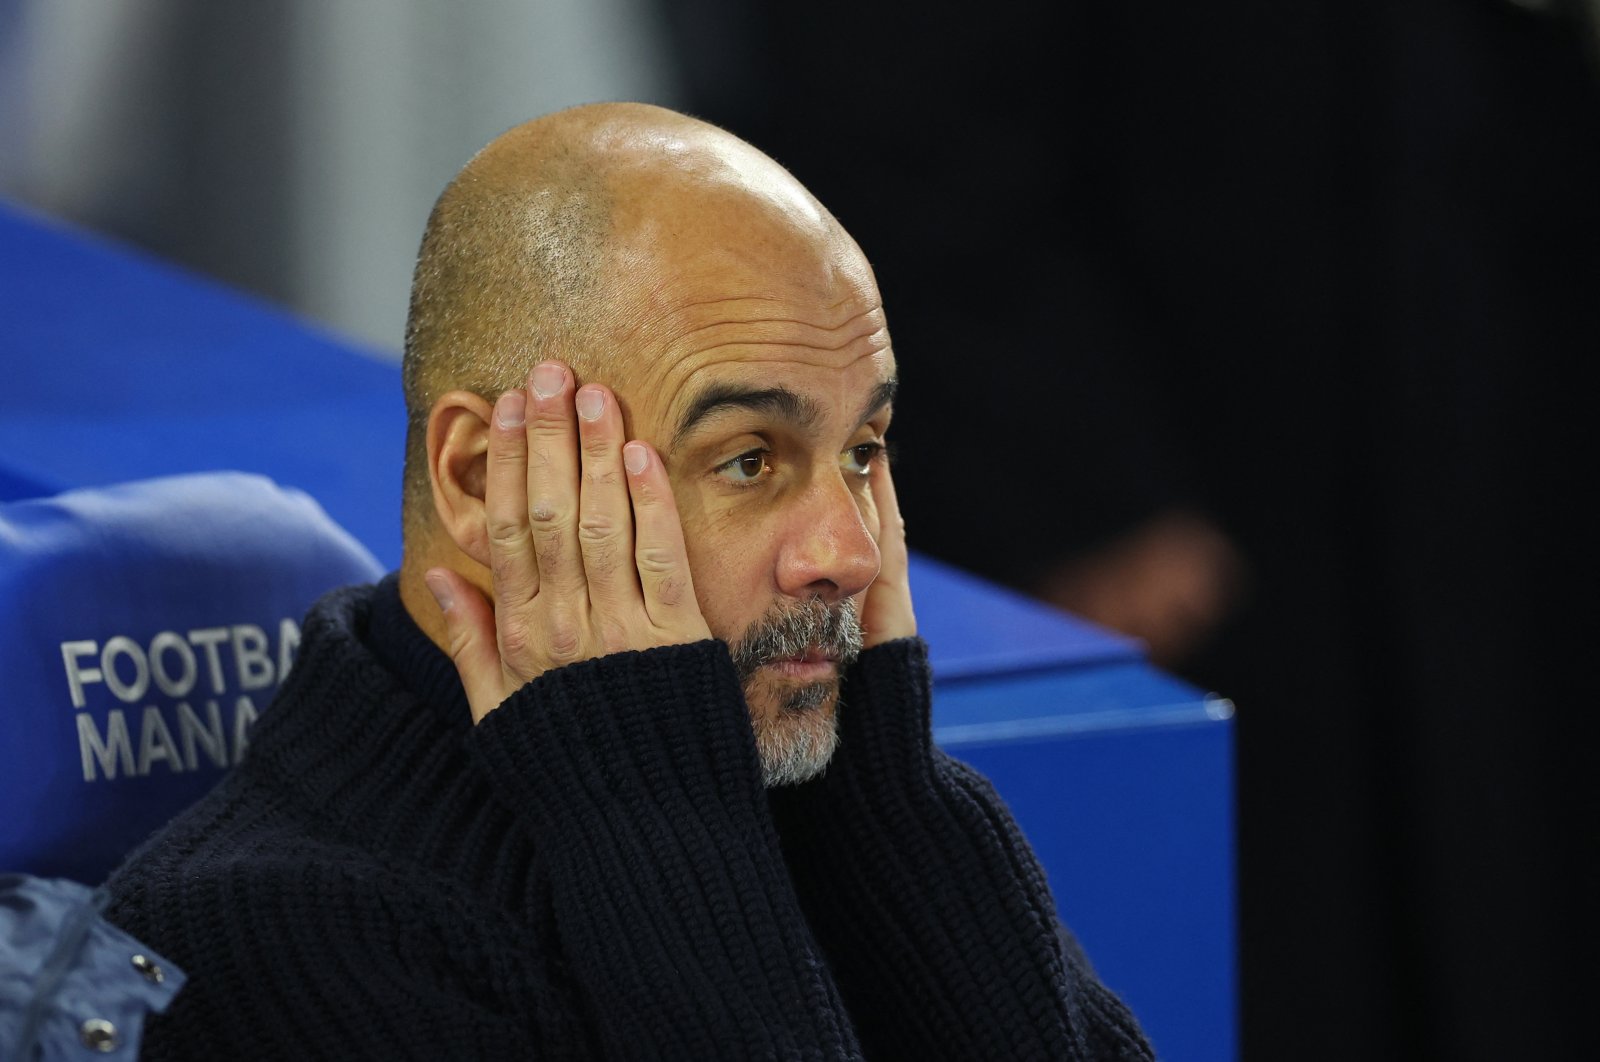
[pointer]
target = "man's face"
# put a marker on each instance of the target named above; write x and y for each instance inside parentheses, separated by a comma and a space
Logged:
(765, 379)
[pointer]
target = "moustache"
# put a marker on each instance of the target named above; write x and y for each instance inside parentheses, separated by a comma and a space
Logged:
(789, 631)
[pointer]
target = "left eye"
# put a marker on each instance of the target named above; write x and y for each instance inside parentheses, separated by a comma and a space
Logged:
(858, 459)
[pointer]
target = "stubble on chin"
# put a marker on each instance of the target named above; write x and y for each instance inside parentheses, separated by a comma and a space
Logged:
(796, 725)
(796, 729)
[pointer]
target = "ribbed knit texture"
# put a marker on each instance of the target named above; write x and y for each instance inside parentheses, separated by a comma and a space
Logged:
(595, 871)
(927, 900)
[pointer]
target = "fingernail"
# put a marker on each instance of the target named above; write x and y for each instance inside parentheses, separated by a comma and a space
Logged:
(440, 588)
(635, 456)
(548, 379)
(591, 401)
(511, 409)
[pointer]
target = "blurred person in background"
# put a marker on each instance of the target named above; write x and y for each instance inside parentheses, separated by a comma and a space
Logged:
(1302, 295)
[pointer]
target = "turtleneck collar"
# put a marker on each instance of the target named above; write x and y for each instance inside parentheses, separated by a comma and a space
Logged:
(410, 655)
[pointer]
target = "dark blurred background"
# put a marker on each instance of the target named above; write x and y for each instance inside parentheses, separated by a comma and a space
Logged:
(1253, 329)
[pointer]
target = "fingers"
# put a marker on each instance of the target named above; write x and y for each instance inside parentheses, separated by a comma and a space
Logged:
(891, 524)
(888, 613)
(552, 485)
(470, 632)
(586, 550)
(605, 521)
(505, 504)
(659, 552)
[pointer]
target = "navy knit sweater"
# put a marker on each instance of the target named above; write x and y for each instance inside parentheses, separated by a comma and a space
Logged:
(595, 870)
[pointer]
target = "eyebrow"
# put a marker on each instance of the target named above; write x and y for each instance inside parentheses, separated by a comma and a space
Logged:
(778, 402)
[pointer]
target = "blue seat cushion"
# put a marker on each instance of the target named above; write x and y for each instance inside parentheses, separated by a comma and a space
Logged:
(143, 627)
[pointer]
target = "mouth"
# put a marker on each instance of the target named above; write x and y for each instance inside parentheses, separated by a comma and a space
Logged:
(814, 665)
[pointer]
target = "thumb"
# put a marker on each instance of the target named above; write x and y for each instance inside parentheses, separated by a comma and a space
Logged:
(470, 634)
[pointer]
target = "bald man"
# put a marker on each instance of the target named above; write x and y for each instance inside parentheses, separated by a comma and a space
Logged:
(631, 758)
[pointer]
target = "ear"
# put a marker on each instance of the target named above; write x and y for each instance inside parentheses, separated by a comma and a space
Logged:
(458, 453)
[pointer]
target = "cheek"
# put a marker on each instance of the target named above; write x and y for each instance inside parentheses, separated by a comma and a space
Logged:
(731, 563)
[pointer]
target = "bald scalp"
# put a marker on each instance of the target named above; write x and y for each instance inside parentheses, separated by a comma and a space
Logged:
(525, 254)
(509, 272)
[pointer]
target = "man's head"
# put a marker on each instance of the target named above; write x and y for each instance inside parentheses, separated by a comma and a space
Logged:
(741, 330)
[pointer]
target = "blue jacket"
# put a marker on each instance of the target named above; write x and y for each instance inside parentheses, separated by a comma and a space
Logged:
(69, 980)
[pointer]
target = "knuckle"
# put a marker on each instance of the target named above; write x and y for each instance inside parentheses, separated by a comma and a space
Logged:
(599, 537)
(597, 527)
(504, 533)
(563, 640)
(656, 560)
(515, 640)
(550, 423)
(507, 455)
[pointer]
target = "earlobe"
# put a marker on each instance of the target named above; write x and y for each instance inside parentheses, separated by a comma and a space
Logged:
(458, 448)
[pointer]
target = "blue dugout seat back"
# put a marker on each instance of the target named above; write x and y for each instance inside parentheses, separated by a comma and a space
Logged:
(143, 627)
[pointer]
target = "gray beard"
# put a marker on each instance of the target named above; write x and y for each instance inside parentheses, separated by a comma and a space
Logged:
(793, 748)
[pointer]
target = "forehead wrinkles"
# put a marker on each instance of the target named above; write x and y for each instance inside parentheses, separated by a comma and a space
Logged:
(701, 328)
(771, 341)
(770, 296)
(849, 381)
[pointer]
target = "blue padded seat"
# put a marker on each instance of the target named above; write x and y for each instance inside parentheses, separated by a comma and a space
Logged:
(143, 627)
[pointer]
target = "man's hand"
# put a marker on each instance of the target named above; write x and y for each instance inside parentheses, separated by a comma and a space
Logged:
(585, 546)
(887, 614)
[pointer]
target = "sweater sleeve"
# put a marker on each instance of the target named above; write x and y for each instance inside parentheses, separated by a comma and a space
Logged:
(637, 777)
(931, 907)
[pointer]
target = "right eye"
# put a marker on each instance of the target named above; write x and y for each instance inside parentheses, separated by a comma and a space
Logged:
(746, 469)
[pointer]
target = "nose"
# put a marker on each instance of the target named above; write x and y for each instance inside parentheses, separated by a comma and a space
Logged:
(827, 551)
